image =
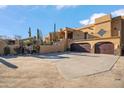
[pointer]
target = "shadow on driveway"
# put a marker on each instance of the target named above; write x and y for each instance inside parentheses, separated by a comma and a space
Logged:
(50, 56)
(8, 64)
(9, 56)
(82, 54)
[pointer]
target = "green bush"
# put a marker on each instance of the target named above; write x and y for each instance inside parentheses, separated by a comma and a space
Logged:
(6, 50)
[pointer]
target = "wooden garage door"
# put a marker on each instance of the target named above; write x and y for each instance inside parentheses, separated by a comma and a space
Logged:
(82, 47)
(104, 48)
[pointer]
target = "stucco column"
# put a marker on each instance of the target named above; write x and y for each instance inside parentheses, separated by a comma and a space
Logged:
(117, 49)
(92, 48)
(66, 34)
(66, 39)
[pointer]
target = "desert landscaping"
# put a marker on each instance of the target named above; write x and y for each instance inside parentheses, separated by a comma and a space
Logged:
(63, 70)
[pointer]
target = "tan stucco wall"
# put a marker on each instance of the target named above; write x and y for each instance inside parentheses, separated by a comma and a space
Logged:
(106, 27)
(57, 47)
(89, 29)
(78, 34)
(102, 19)
(103, 22)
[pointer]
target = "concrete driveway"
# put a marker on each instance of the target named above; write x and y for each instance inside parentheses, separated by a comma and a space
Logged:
(62, 70)
(73, 65)
(82, 64)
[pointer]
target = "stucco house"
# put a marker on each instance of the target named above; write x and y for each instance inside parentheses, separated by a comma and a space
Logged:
(105, 36)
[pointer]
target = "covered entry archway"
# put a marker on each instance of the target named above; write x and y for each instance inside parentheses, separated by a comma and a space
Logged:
(80, 47)
(104, 48)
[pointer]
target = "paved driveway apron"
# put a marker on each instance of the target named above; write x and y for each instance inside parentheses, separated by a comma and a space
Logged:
(82, 64)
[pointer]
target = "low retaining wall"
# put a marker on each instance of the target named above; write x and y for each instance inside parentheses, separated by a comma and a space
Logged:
(57, 47)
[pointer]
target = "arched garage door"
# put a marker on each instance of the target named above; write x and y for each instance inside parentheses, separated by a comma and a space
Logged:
(104, 48)
(81, 47)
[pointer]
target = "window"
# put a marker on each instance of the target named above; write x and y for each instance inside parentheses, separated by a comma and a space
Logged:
(70, 35)
(101, 32)
(86, 35)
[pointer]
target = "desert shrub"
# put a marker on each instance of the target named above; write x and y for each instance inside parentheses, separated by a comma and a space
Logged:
(6, 50)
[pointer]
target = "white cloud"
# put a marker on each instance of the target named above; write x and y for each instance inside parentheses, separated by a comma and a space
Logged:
(91, 19)
(94, 16)
(3, 6)
(84, 22)
(59, 7)
(119, 12)
(33, 7)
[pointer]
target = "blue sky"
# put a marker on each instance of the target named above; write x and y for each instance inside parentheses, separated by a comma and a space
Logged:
(15, 20)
